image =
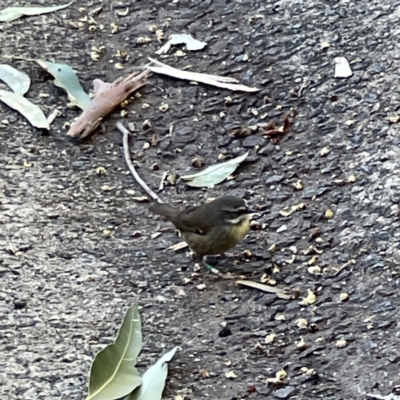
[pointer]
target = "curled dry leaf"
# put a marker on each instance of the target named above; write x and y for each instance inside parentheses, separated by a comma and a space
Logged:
(107, 96)
(272, 130)
(214, 80)
(279, 377)
(281, 293)
(191, 43)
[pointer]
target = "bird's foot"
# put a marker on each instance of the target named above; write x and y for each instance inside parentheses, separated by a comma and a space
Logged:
(224, 276)
(212, 269)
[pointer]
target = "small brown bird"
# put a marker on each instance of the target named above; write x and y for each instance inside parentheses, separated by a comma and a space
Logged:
(211, 228)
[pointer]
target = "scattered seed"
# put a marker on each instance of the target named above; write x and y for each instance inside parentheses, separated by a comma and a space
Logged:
(270, 338)
(101, 171)
(315, 270)
(324, 151)
(201, 286)
(313, 260)
(301, 323)
(204, 374)
(108, 233)
(351, 179)
(311, 297)
(329, 214)
(299, 185)
(230, 375)
(344, 296)
(341, 343)
(302, 344)
(272, 248)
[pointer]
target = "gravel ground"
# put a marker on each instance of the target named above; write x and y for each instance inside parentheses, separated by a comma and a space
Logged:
(65, 284)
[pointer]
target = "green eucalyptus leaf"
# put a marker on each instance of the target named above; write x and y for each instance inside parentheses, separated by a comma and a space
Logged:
(214, 174)
(18, 81)
(29, 110)
(12, 13)
(153, 380)
(66, 79)
(113, 374)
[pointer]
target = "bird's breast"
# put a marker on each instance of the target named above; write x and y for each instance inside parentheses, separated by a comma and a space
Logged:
(240, 229)
(219, 239)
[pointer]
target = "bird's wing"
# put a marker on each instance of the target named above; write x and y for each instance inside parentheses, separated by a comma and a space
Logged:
(186, 222)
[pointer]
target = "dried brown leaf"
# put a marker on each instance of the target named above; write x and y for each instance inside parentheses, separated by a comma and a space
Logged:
(107, 96)
(283, 294)
(271, 130)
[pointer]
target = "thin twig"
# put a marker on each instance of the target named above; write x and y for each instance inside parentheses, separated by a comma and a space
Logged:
(341, 269)
(128, 160)
(305, 83)
(53, 115)
(161, 187)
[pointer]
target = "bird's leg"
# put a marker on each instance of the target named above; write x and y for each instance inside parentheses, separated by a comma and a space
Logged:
(212, 269)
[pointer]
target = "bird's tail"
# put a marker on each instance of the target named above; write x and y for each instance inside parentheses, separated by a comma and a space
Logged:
(164, 210)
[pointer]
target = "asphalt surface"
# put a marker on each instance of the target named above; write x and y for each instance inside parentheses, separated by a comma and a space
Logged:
(76, 247)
